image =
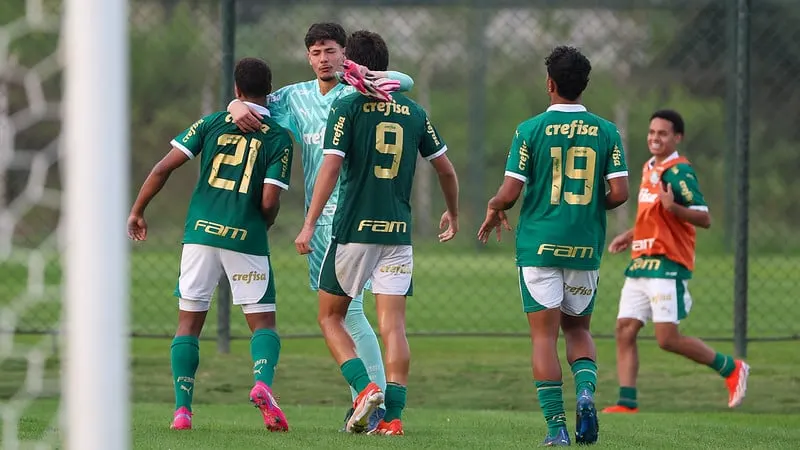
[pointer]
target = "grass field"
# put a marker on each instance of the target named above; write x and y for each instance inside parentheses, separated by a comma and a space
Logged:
(461, 291)
(464, 392)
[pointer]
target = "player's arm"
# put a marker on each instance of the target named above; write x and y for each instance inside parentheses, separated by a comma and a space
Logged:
(155, 181)
(616, 171)
(337, 142)
(518, 170)
(406, 82)
(277, 177)
(621, 242)
(185, 146)
(433, 148)
(682, 196)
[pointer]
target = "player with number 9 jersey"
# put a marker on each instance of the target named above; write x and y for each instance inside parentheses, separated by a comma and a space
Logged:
(564, 156)
(225, 211)
(379, 142)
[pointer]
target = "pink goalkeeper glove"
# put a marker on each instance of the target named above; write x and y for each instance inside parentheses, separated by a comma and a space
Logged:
(366, 83)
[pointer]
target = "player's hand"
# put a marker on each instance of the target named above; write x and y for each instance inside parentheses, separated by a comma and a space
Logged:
(303, 240)
(620, 243)
(448, 223)
(666, 197)
(245, 118)
(495, 220)
(137, 228)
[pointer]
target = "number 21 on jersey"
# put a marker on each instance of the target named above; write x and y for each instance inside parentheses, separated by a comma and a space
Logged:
(236, 159)
(567, 167)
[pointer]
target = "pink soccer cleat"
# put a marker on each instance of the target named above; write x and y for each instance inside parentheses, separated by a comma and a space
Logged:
(261, 397)
(182, 419)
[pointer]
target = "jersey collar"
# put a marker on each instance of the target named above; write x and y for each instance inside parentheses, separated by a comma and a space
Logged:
(258, 108)
(652, 161)
(563, 107)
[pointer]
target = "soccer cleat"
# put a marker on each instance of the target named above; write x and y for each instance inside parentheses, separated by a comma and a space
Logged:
(737, 383)
(619, 409)
(561, 439)
(587, 427)
(261, 397)
(182, 419)
(393, 428)
(374, 419)
(367, 401)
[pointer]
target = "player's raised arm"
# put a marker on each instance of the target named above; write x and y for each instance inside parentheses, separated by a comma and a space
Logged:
(616, 172)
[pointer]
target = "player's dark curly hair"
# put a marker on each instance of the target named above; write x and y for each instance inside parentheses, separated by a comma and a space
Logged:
(253, 77)
(671, 116)
(325, 31)
(569, 68)
(368, 49)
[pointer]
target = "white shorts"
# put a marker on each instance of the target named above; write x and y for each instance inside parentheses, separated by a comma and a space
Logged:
(347, 268)
(663, 300)
(250, 277)
(573, 291)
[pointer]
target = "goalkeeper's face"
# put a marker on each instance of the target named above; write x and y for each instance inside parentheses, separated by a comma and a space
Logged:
(326, 58)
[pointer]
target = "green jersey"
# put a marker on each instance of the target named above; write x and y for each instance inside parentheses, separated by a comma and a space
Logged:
(225, 209)
(564, 156)
(379, 142)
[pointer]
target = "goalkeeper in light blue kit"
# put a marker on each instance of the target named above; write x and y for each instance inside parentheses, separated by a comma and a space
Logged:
(303, 109)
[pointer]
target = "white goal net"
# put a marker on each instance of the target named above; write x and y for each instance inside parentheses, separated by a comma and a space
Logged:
(63, 204)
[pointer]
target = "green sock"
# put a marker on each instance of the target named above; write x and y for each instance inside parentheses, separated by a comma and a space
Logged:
(627, 397)
(552, 403)
(355, 373)
(184, 357)
(585, 372)
(265, 348)
(723, 364)
(395, 401)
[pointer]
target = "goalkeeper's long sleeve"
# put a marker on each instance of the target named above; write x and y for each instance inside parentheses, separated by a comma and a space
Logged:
(406, 82)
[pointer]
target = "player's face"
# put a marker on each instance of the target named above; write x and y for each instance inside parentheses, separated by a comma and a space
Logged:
(326, 57)
(662, 139)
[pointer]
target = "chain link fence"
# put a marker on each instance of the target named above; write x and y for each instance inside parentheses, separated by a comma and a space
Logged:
(479, 72)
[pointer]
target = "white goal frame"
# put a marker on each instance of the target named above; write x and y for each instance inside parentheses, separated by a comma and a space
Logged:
(95, 381)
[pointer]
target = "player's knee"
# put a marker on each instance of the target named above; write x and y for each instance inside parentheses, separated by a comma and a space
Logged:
(627, 329)
(668, 338)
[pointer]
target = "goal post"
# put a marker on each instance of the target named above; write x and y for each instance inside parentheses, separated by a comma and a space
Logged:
(95, 145)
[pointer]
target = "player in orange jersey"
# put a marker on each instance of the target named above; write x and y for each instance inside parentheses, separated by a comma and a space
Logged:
(662, 244)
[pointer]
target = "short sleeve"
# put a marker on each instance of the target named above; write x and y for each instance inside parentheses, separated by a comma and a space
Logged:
(280, 110)
(431, 146)
(685, 186)
(339, 130)
(616, 165)
(518, 164)
(190, 140)
(279, 165)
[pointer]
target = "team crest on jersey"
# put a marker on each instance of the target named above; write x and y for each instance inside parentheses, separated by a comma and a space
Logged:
(654, 177)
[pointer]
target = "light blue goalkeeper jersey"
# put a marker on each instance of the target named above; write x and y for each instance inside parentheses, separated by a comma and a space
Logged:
(303, 110)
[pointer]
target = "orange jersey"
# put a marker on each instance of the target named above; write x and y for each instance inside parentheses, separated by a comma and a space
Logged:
(658, 231)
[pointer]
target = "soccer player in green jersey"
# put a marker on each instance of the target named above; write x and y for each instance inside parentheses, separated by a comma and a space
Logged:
(303, 109)
(374, 145)
(235, 201)
(563, 158)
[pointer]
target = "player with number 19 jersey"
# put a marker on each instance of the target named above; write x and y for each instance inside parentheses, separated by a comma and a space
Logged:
(225, 209)
(564, 156)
